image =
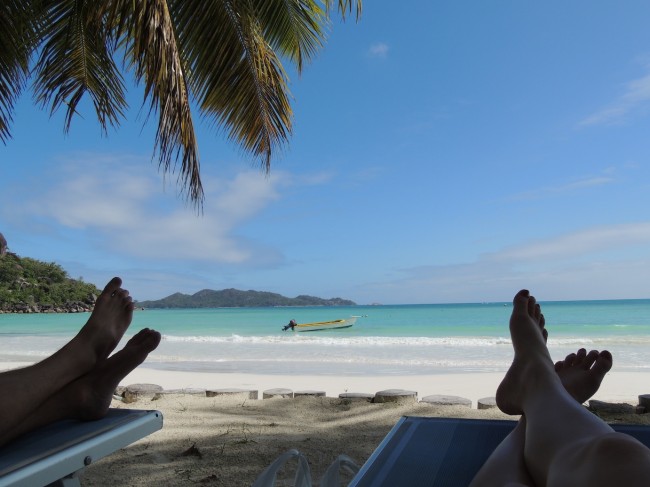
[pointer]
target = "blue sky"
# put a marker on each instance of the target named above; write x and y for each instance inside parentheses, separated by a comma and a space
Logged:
(442, 152)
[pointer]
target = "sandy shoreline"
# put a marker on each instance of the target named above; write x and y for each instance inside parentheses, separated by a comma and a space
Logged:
(229, 440)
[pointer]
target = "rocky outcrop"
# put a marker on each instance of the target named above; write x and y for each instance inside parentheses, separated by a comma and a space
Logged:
(70, 307)
(3, 245)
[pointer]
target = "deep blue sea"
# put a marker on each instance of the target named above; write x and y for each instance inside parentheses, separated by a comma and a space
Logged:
(400, 339)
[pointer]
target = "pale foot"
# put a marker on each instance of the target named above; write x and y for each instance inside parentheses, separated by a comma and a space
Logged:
(90, 395)
(107, 323)
(581, 373)
(532, 362)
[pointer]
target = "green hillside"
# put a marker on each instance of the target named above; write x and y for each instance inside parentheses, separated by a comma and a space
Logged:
(32, 286)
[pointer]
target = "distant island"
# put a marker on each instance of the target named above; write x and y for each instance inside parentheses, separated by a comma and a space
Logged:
(234, 298)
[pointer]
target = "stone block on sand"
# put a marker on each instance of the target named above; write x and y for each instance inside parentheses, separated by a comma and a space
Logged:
(487, 403)
(396, 395)
(249, 393)
(357, 396)
(272, 393)
(190, 391)
(644, 401)
(309, 394)
(441, 400)
(610, 407)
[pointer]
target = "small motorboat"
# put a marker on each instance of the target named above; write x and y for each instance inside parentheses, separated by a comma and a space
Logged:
(321, 325)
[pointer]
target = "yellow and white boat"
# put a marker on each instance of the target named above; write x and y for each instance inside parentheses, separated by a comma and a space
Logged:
(322, 325)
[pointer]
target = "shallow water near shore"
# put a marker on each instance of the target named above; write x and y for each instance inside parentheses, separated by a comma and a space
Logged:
(385, 340)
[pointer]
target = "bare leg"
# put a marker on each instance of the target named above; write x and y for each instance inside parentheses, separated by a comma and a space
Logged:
(27, 388)
(564, 443)
(581, 375)
(89, 396)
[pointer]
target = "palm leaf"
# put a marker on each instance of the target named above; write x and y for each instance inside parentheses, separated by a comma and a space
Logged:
(75, 60)
(293, 27)
(236, 76)
(147, 33)
(18, 27)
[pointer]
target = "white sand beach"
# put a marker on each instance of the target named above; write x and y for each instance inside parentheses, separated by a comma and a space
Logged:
(229, 440)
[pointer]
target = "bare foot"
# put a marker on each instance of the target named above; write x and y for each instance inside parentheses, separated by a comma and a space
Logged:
(532, 362)
(91, 394)
(581, 373)
(108, 322)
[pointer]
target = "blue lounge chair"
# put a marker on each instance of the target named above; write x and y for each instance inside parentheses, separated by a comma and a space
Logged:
(56, 454)
(419, 452)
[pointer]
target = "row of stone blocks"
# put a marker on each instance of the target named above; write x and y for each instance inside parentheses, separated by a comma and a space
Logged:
(136, 391)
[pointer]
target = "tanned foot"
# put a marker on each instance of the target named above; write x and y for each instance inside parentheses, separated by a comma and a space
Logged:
(107, 323)
(532, 361)
(91, 394)
(581, 373)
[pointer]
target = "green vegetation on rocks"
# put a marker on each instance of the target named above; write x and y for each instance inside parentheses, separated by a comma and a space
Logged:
(32, 286)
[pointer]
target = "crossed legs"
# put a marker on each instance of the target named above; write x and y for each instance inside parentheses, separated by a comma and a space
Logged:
(557, 441)
(78, 380)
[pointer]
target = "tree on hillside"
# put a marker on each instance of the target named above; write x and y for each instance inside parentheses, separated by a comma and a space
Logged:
(224, 56)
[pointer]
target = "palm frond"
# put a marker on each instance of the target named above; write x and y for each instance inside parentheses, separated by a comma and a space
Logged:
(18, 27)
(76, 60)
(346, 6)
(295, 28)
(151, 46)
(235, 74)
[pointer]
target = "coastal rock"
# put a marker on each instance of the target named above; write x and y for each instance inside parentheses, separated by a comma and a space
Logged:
(441, 400)
(400, 396)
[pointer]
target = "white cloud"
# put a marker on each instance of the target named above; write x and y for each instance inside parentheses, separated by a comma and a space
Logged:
(378, 50)
(119, 205)
(635, 96)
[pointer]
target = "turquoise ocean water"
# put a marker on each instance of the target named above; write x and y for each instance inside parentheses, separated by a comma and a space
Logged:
(404, 339)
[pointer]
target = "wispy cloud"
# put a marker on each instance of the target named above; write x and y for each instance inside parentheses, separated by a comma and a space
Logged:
(378, 50)
(635, 96)
(579, 184)
(577, 244)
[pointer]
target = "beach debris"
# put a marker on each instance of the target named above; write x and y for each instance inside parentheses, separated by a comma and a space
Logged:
(209, 479)
(192, 451)
(400, 396)
(442, 400)
(135, 392)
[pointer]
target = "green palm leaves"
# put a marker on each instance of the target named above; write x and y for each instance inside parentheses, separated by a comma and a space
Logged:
(222, 56)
